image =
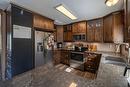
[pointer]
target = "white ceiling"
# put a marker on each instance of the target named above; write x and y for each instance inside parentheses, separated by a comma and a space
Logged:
(4, 4)
(82, 9)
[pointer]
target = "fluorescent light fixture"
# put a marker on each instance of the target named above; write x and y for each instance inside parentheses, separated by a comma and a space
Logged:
(111, 2)
(66, 12)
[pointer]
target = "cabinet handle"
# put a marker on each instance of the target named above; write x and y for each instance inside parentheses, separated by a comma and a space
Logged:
(89, 66)
(89, 59)
(67, 55)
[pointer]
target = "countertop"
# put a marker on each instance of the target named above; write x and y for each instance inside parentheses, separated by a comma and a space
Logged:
(98, 52)
(109, 75)
(64, 49)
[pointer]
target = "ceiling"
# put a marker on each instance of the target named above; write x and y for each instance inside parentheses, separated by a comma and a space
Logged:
(82, 9)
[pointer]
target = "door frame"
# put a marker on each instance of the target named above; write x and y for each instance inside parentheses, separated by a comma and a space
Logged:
(4, 43)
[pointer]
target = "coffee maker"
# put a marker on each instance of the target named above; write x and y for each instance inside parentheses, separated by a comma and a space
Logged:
(59, 45)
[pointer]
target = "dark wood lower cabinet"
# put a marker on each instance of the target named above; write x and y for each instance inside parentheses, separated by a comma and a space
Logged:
(65, 57)
(92, 62)
(61, 56)
(56, 57)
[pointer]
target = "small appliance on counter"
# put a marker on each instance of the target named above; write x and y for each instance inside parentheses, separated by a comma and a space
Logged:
(59, 45)
(80, 49)
(92, 47)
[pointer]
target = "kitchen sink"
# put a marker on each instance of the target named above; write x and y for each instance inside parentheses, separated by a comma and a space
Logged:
(115, 60)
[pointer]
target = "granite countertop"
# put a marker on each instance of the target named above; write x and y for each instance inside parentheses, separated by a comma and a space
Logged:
(109, 75)
(98, 52)
(105, 52)
(64, 49)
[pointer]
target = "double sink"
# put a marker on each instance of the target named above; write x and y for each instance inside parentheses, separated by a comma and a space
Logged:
(115, 60)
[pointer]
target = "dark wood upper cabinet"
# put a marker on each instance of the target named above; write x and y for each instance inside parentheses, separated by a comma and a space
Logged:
(127, 20)
(59, 32)
(128, 8)
(79, 27)
(42, 22)
(55, 33)
(99, 31)
(90, 31)
(82, 27)
(67, 35)
(113, 28)
(75, 28)
(79, 30)
(108, 29)
(95, 30)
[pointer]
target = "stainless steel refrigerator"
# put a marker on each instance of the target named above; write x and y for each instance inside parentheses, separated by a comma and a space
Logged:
(44, 42)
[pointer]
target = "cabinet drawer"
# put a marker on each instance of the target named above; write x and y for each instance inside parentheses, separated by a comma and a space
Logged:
(90, 67)
(92, 59)
(91, 64)
(93, 70)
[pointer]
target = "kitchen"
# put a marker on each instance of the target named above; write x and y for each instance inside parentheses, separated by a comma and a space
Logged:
(87, 48)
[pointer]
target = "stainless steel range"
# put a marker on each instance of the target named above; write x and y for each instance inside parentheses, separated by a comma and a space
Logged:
(77, 60)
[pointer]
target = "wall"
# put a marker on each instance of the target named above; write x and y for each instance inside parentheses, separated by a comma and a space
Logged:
(108, 47)
(22, 57)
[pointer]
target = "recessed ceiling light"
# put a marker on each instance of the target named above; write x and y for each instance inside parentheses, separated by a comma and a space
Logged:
(111, 2)
(66, 12)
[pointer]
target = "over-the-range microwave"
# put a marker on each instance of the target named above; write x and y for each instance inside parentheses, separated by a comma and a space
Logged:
(80, 37)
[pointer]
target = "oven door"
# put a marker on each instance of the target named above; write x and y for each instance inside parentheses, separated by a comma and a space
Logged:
(77, 61)
(77, 57)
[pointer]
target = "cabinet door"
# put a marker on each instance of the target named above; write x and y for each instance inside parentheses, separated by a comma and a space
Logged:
(69, 27)
(50, 24)
(128, 21)
(37, 21)
(65, 37)
(108, 28)
(65, 57)
(90, 32)
(118, 27)
(42, 22)
(69, 30)
(67, 33)
(99, 30)
(60, 32)
(75, 28)
(82, 27)
(56, 57)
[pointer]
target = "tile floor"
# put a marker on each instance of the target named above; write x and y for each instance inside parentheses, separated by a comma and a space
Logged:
(49, 76)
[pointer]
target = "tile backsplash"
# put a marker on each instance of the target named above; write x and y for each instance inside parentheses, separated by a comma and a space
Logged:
(108, 47)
